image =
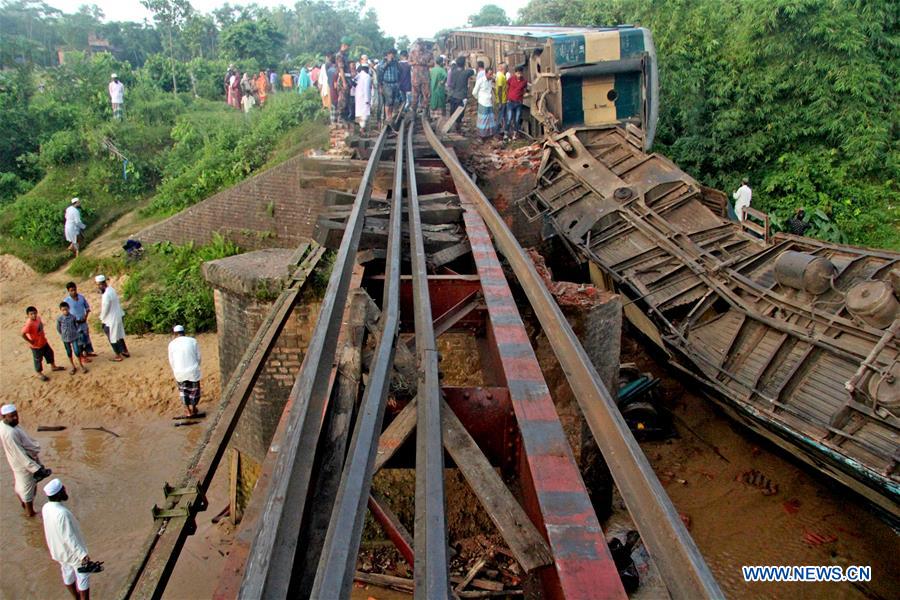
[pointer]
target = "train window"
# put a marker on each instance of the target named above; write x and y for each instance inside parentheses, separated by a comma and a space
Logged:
(612, 95)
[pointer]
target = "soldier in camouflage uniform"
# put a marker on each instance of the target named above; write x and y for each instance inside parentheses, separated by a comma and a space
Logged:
(421, 60)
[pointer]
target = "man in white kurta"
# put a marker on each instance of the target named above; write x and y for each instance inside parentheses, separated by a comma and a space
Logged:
(742, 198)
(363, 95)
(65, 541)
(111, 316)
(22, 456)
(74, 224)
(184, 358)
(116, 96)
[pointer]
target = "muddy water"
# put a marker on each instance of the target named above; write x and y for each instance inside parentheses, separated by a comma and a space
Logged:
(785, 515)
(114, 516)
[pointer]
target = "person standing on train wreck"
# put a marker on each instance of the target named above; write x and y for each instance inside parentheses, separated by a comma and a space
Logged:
(421, 60)
(184, 358)
(111, 316)
(742, 197)
(484, 93)
(438, 87)
(22, 456)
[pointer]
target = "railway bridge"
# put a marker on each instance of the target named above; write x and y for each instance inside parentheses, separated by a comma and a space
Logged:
(412, 264)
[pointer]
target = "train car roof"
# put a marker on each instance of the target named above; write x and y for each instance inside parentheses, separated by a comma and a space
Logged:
(538, 31)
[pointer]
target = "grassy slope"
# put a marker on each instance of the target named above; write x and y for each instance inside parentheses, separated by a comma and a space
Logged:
(62, 183)
(57, 187)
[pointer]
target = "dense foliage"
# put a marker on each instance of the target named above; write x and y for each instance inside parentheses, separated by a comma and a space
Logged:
(167, 287)
(798, 95)
(216, 147)
(181, 143)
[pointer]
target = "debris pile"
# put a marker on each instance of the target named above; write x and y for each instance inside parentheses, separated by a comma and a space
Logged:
(492, 155)
(337, 144)
(479, 568)
(566, 293)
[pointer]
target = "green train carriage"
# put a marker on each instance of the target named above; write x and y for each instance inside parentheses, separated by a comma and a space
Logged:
(579, 76)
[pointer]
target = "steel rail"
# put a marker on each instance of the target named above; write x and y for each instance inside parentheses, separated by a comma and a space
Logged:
(682, 567)
(271, 560)
(337, 563)
(431, 560)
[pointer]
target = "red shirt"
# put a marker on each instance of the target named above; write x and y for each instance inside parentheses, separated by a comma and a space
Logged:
(34, 330)
(516, 89)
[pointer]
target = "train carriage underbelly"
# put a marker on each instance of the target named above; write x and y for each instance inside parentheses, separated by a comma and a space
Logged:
(813, 372)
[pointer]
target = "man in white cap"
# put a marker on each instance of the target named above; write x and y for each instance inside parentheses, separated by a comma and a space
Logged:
(66, 543)
(22, 455)
(74, 224)
(116, 96)
(111, 315)
(184, 358)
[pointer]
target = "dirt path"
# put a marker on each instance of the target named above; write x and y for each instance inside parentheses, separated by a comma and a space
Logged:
(113, 481)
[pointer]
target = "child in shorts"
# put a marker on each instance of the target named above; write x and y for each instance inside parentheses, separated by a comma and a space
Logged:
(67, 326)
(33, 333)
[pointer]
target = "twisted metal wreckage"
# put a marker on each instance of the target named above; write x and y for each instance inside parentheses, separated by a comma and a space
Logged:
(794, 337)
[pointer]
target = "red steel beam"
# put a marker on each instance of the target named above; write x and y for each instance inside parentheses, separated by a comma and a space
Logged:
(392, 526)
(555, 496)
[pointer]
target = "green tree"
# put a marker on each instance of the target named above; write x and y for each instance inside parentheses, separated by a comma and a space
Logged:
(256, 40)
(169, 16)
(490, 14)
(28, 33)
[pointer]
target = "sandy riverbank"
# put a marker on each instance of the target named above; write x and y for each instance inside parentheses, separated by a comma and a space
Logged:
(113, 481)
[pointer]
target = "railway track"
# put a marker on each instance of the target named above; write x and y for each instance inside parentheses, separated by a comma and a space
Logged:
(301, 533)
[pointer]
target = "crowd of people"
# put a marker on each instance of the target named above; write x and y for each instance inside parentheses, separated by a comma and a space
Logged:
(63, 534)
(357, 91)
(360, 91)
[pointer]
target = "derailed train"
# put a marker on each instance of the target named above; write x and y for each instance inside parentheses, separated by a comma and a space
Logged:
(579, 76)
(796, 338)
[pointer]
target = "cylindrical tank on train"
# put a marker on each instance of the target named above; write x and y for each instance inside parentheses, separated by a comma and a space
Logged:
(801, 271)
(873, 302)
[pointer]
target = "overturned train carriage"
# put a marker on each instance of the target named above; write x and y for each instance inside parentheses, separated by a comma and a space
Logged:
(577, 75)
(797, 338)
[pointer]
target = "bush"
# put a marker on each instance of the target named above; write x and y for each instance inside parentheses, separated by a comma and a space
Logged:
(40, 222)
(62, 148)
(218, 147)
(167, 288)
(11, 185)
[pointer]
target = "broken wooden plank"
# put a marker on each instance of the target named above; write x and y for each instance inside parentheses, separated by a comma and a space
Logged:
(338, 198)
(448, 124)
(479, 564)
(395, 435)
(374, 234)
(389, 581)
(448, 254)
(524, 540)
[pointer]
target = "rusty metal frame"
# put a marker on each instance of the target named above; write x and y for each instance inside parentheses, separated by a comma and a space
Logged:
(679, 561)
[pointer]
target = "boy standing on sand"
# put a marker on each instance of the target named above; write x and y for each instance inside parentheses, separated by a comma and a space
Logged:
(80, 309)
(67, 327)
(33, 333)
